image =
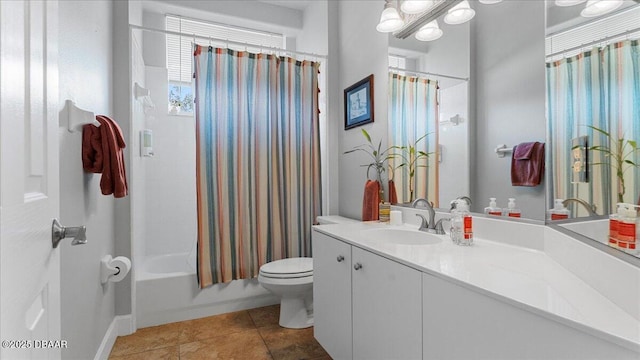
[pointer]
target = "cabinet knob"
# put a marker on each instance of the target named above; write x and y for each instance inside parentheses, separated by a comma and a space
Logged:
(357, 266)
(340, 258)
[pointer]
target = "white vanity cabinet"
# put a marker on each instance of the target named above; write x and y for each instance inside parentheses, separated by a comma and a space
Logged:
(365, 306)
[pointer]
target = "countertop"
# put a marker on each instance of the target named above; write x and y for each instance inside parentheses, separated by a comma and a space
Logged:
(523, 277)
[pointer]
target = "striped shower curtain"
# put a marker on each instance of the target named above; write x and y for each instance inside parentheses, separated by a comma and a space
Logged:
(258, 160)
(598, 88)
(413, 112)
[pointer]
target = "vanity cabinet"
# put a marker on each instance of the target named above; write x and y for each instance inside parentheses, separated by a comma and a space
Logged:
(365, 306)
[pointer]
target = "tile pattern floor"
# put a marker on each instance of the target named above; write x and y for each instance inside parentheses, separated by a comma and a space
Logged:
(250, 334)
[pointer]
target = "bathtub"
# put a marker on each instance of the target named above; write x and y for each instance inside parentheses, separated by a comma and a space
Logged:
(167, 291)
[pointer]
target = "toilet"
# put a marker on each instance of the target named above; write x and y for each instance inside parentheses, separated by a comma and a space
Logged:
(292, 280)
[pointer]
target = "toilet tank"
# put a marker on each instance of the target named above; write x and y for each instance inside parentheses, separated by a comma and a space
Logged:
(334, 219)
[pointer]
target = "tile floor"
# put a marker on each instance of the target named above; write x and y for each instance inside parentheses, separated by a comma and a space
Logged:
(251, 334)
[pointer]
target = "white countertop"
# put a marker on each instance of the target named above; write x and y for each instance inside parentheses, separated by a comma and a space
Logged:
(524, 277)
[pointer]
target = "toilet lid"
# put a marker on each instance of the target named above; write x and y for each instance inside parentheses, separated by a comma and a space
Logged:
(288, 268)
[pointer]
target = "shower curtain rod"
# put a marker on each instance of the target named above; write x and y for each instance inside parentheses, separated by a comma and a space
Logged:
(603, 40)
(428, 74)
(194, 36)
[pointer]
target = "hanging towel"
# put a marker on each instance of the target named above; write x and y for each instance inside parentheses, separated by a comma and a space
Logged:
(102, 153)
(393, 196)
(527, 164)
(371, 200)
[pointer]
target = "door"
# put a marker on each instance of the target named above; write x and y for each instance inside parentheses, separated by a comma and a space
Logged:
(332, 295)
(387, 308)
(29, 181)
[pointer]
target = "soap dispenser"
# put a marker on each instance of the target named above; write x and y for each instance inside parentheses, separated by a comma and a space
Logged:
(614, 224)
(493, 208)
(627, 229)
(559, 212)
(462, 224)
(511, 209)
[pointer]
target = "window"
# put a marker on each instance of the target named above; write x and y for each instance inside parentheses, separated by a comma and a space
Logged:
(180, 53)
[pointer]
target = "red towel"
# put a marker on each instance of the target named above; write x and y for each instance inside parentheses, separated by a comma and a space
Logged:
(371, 200)
(393, 196)
(102, 153)
(527, 164)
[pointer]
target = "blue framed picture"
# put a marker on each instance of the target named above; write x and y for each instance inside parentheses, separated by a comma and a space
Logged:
(358, 103)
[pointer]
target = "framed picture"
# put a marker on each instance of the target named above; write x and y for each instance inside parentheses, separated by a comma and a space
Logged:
(358, 103)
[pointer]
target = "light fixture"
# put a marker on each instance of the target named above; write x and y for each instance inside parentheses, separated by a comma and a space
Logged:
(390, 19)
(569, 2)
(416, 6)
(459, 14)
(429, 32)
(600, 7)
(489, 2)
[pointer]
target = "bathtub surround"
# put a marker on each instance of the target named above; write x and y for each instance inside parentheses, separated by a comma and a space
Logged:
(257, 160)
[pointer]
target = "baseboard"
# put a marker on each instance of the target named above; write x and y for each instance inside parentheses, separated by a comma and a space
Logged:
(120, 326)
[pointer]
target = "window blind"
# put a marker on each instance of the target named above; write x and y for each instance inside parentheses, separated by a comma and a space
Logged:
(179, 48)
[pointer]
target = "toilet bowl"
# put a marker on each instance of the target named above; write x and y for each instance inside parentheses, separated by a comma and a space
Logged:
(291, 280)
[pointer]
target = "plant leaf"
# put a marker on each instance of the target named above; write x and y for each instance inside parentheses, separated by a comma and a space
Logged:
(599, 130)
(366, 135)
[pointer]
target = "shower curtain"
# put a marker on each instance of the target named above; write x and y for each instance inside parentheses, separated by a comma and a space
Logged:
(598, 88)
(413, 113)
(258, 160)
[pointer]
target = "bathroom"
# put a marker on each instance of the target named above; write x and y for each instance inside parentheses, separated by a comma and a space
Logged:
(95, 71)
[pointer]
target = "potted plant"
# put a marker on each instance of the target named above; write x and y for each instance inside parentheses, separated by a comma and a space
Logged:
(411, 157)
(621, 152)
(377, 158)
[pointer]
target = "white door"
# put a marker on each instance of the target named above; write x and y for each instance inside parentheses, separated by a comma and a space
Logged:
(29, 180)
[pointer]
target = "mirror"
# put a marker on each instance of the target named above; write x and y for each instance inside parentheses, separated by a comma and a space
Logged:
(593, 103)
(428, 96)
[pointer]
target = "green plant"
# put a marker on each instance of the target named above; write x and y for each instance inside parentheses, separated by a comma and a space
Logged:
(411, 156)
(377, 156)
(621, 156)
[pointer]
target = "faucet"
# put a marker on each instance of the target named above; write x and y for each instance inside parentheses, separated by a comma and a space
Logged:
(426, 225)
(439, 229)
(591, 208)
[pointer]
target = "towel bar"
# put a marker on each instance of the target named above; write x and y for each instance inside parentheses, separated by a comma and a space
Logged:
(502, 150)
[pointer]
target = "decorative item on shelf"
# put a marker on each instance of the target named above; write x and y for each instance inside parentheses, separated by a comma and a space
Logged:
(378, 158)
(358, 103)
(411, 158)
(621, 151)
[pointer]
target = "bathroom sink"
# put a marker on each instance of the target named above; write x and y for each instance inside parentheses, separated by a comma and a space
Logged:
(402, 237)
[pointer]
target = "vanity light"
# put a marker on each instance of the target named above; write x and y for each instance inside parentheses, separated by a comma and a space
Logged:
(429, 32)
(489, 2)
(416, 6)
(569, 2)
(390, 20)
(459, 14)
(600, 7)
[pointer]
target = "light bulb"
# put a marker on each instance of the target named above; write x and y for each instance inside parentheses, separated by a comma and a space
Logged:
(459, 14)
(489, 2)
(390, 20)
(416, 6)
(600, 7)
(429, 32)
(569, 2)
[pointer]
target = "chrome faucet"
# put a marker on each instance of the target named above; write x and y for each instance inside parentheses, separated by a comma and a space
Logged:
(591, 208)
(439, 229)
(431, 223)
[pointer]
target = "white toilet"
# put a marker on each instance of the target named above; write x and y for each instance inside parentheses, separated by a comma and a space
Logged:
(292, 280)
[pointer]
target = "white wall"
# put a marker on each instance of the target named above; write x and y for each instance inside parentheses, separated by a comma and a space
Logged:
(361, 51)
(85, 77)
(508, 80)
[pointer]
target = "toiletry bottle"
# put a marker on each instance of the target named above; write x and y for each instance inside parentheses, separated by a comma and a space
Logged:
(614, 223)
(559, 212)
(511, 209)
(462, 224)
(627, 229)
(493, 208)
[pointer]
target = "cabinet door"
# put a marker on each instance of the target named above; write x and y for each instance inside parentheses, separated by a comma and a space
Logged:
(332, 295)
(387, 308)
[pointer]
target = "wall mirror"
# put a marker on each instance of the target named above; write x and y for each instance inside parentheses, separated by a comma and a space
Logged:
(428, 104)
(593, 100)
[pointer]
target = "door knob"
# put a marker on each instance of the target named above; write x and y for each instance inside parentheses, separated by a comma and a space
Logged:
(59, 232)
(357, 266)
(340, 258)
